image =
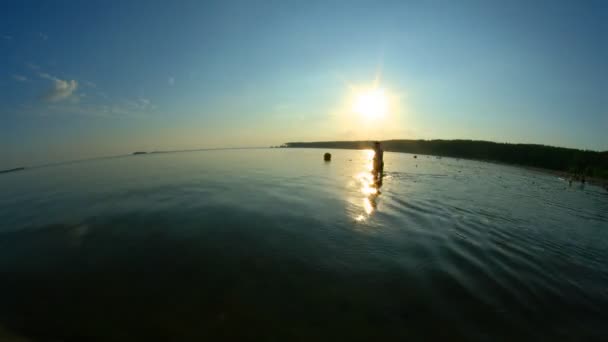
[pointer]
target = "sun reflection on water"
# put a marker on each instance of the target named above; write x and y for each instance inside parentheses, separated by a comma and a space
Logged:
(368, 186)
(367, 205)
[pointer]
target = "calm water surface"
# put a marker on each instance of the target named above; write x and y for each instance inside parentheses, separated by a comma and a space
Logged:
(277, 245)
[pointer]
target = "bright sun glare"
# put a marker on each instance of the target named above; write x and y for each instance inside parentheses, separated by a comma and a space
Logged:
(371, 104)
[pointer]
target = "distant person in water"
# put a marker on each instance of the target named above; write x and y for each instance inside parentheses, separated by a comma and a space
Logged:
(378, 160)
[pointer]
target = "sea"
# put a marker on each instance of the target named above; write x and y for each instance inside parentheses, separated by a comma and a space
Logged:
(280, 245)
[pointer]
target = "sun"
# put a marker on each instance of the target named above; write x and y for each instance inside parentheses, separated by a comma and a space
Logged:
(371, 104)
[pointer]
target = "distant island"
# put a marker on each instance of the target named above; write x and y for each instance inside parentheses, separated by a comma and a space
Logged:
(139, 152)
(580, 162)
(12, 170)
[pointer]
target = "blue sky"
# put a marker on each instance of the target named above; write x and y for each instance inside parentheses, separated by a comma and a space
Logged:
(84, 79)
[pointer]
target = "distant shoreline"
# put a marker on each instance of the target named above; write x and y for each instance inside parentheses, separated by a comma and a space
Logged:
(560, 161)
(71, 161)
(13, 170)
(591, 180)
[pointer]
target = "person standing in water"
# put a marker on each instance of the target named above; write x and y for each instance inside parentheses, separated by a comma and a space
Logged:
(378, 160)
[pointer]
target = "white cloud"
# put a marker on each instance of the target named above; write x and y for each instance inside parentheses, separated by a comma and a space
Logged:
(47, 76)
(171, 81)
(67, 97)
(140, 104)
(60, 90)
(146, 104)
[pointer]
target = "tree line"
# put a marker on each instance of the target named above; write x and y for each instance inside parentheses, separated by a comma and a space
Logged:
(580, 162)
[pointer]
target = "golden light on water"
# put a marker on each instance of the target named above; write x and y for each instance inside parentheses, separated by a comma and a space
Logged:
(368, 187)
(367, 206)
(365, 178)
(369, 155)
(367, 183)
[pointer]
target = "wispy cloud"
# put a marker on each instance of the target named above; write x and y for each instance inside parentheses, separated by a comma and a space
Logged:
(140, 104)
(60, 89)
(43, 36)
(126, 108)
(19, 78)
(83, 105)
(171, 81)
(67, 97)
(145, 104)
(47, 76)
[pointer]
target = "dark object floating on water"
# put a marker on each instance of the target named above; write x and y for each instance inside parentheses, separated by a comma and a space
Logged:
(138, 152)
(327, 157)
(12, 170)
(415, 157)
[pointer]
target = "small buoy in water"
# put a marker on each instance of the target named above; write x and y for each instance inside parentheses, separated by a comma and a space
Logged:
(415, 157)
(327, 157)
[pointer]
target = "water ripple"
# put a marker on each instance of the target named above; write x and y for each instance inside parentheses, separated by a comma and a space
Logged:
(235, 245)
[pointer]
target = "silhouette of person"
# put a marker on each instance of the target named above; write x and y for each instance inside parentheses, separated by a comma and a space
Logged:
(378, 161)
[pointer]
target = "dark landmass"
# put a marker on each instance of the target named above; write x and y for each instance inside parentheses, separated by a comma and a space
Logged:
(136, 153)
(12, 170)
(581, 162)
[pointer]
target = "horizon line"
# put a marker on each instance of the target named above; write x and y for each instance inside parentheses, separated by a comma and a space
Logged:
(472, 140)
(271, 146)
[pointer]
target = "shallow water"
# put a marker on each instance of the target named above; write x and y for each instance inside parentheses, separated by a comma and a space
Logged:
(275, 244)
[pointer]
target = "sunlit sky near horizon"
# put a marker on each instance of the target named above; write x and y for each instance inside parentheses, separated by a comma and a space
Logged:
(92, 78)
